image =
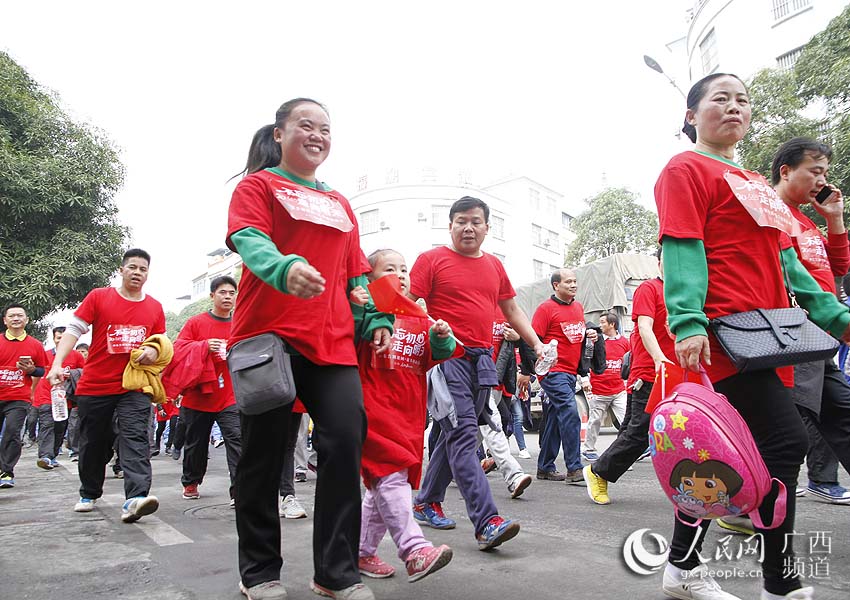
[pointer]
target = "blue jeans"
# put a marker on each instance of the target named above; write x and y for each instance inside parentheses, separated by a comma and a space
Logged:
(516, 412)
(563, 425)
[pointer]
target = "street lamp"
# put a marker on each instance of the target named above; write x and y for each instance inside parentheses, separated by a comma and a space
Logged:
(653, 64)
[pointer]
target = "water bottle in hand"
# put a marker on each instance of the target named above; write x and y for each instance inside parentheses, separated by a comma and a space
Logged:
(550, 355)
(58, 398)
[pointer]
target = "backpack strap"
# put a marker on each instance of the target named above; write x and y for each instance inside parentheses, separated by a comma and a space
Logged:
(779, 509)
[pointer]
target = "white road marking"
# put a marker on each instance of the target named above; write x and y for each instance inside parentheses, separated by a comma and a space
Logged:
(155, 528)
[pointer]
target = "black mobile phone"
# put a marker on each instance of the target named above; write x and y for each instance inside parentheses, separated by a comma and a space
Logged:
(824, 193)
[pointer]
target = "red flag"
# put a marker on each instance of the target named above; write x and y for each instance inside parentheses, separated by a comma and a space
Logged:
(672, 375)
(387, 296)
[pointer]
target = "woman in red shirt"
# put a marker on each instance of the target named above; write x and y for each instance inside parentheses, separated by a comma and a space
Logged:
(719, 260)
(301, 251)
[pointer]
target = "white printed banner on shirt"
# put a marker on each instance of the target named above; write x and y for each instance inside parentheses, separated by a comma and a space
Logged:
(315, 208)
(762, 202)
(407, 351)
(574, 331)
(121, 339)
(812, 250)
(11, 377)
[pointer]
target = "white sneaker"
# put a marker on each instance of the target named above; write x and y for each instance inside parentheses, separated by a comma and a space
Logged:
(85, 505)
(290, 508)
(524, 453)
(806, 593)
(695, 584)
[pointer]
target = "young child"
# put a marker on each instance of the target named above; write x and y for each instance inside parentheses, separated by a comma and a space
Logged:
(394, 395)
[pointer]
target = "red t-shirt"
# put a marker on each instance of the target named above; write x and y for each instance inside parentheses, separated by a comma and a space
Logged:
(695, 202)
(204, 327)
(118, 326)
(823, 261)
(648, 301)
(74, 360)
(394, 395)
(565, 323)
(610, 383)
(303, 221)
(14, 383)
(463, 291)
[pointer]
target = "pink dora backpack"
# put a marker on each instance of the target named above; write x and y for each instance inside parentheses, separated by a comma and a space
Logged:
(705, 457)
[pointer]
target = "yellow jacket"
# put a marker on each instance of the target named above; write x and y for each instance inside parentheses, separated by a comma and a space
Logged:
(146, 377)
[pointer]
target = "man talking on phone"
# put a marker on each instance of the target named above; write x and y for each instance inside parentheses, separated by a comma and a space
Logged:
(799, 175)
(22, 359)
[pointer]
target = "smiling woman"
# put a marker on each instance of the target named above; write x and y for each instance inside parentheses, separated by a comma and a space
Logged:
(300, 245)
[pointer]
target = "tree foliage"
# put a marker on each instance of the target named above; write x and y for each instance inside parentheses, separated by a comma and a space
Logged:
(59, 233)
(613, 223)
(812, 99)
(174, 322)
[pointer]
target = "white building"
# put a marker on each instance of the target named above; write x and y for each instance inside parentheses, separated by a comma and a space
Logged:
(409, 212)
(745, 36)
(222, 261)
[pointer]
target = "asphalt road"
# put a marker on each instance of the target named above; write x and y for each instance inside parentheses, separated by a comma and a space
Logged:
(568, 547)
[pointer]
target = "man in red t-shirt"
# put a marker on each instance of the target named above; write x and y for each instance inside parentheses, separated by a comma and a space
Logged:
(463, 285)
(50, 432)
(22, 361)
(561, 318)
(209, 402)
(608, 389)
(651, 345)
(820, 391)
(121, 319)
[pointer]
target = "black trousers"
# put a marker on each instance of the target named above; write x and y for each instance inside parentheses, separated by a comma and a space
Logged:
(829, 431)
(631, 441)
(287, 474)
(334, 398)
(779, 433)
(96, 436)
(50, 432)
(198, 425)
(13, 413)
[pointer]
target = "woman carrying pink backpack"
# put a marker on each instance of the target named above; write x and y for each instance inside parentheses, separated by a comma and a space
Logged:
(718, 227)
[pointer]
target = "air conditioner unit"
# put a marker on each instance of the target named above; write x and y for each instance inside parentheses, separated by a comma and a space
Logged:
(384, 226)
(421, 217)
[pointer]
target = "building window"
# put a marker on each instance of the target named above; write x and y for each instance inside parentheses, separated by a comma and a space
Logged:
(439, 216)
(501, 257)
(787, 60)
(536, 235)
(392, 176)
(199, 287)
(497, 227)
(566, 220)
(429, 175)
(369, 221)
(362, 183)
(540, 270)
(551, 205)
(783, 8)
(534, 199)
(708, 51)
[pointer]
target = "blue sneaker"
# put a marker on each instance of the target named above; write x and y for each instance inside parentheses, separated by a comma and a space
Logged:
(136, 508)
(7, 480)
(432, 515)
(54, 463)
(590, 456)
(496, 532)
(45, 462)
(645, 454)
(84, 505)
(831, 492)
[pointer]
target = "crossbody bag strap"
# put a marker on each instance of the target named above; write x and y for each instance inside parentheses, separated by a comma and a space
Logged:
(792, 297)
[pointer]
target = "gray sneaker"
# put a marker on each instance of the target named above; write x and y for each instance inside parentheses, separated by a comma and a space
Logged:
(358, 591)
(695, 584)
(269, 590)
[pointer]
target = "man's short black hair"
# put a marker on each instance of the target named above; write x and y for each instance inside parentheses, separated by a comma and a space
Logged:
(222, 280)
(58, 330)
(469, 203)
(612, 319)
(137, 253)
(82, 346)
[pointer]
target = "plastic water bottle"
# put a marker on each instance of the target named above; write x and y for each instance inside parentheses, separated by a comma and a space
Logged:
(550, 355)
(59, 402)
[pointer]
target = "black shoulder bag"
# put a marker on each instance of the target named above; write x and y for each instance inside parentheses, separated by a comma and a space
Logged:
(773, 337)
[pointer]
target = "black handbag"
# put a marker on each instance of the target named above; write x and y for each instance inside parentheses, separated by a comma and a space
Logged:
(261, 372)
(771, 338)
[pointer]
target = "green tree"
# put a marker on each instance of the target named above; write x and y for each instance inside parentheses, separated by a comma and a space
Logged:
(812, 99)
(614, 222)
(175, 322)
(59, 232)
